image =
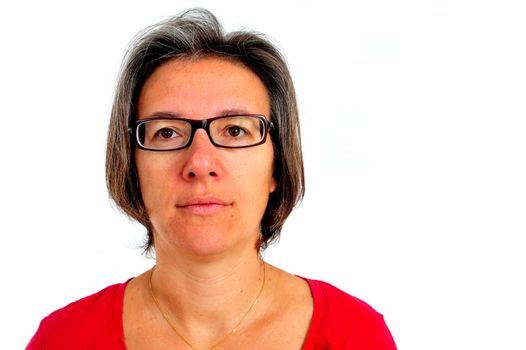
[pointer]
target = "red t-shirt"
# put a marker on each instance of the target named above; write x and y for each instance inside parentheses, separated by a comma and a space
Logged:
(339, 322)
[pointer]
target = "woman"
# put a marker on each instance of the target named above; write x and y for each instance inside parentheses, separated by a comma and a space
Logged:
(204, 151)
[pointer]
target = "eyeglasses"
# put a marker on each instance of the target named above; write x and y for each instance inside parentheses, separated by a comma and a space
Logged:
(170, 134)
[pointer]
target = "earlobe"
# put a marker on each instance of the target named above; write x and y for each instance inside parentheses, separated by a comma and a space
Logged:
(273, 185)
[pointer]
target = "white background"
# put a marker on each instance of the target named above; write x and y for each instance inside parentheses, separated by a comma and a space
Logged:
(414, 131)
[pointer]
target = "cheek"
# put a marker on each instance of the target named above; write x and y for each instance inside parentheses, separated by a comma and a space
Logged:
(258, 174)
(153, 174)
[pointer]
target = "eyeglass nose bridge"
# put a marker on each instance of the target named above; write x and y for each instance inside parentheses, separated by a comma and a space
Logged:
(196, 125)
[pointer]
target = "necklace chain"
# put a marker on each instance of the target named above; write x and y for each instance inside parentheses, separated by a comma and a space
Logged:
(233, 330)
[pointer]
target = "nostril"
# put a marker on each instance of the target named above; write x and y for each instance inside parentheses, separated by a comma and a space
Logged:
(192, 174)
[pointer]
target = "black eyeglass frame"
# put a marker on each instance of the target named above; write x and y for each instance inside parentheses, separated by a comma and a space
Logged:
(196, 125)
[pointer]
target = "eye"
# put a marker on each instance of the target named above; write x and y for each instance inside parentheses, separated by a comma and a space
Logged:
(166, 133)
(235, 131)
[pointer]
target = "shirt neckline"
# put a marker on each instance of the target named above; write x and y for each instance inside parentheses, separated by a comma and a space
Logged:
(313, 332)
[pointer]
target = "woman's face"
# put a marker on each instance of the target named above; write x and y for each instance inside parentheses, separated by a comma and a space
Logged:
(204, 200)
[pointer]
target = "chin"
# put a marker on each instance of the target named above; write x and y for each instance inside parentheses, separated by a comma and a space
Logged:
(209, 243)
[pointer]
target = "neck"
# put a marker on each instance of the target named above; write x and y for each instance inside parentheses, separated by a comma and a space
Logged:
(206, 299)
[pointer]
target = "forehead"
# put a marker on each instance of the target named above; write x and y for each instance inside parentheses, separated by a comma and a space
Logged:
(202, 87)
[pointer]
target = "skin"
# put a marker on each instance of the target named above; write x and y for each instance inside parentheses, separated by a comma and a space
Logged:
(206, 205)
(239, 178)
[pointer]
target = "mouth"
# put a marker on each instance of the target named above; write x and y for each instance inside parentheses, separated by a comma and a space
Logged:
(203, 206)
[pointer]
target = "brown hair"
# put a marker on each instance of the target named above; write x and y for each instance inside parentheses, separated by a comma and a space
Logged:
(197, 33)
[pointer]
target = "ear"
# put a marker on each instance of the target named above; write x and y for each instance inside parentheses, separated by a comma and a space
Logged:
(273, 185)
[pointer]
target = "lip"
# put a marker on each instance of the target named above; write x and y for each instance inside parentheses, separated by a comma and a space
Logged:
(203, 205)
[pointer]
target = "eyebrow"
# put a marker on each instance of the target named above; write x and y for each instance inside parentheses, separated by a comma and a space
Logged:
(233, 111)
(223, 113)
(164, 115)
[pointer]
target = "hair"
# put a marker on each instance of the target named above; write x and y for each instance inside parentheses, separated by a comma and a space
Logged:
(197, 33)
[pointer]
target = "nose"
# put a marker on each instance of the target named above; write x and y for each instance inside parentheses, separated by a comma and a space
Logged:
(201, 161)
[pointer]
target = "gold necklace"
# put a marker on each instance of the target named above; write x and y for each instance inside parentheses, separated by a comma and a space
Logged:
(228, 334)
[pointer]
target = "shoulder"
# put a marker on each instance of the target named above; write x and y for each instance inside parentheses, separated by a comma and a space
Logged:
(89, 305)
(338, 303)
(89, 309)
(342, 321)
(87, 321)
